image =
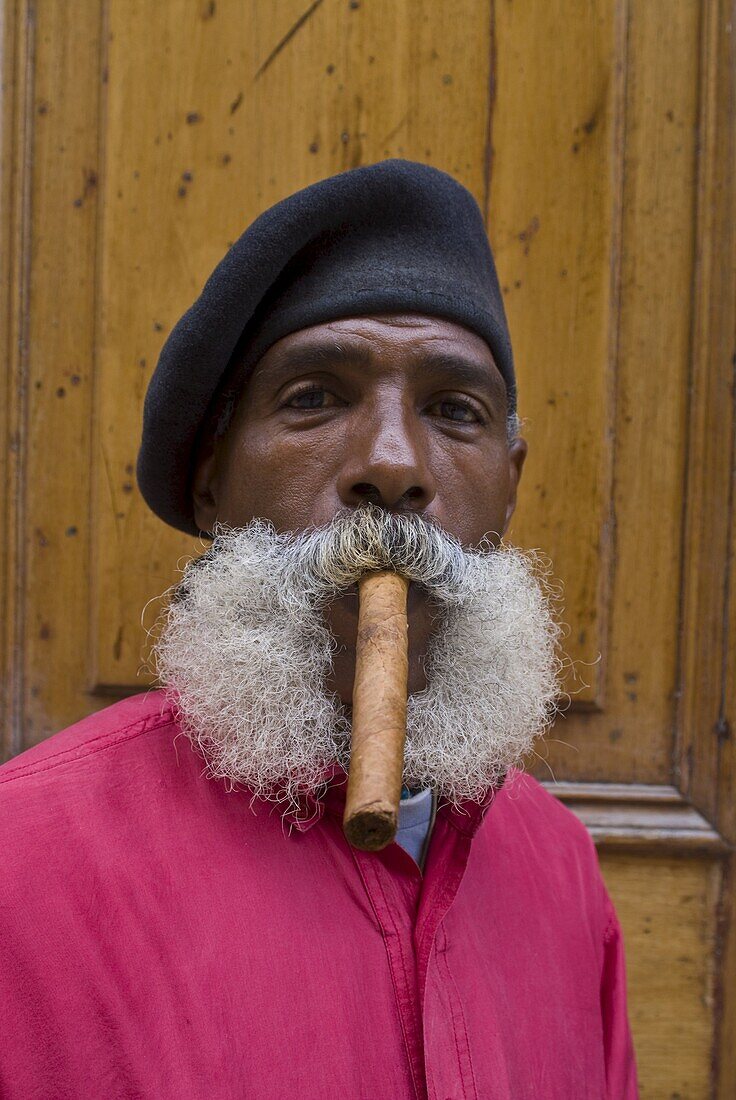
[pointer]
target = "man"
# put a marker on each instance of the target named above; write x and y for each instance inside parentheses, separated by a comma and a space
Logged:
(181, 923)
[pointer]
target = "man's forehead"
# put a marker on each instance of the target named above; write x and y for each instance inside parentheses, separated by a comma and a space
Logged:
(399, 327)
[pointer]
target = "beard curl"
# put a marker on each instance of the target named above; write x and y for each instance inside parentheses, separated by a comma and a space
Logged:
(245, 653)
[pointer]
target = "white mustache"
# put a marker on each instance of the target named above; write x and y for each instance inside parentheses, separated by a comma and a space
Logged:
(333, 558)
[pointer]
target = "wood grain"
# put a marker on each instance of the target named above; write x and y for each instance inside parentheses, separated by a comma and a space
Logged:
(652, 388)
(637, 817)
(705, 717)
(56, 186)
(667, 910)
(14, 69)
(616, 440)
(554, 125)
(706, 749)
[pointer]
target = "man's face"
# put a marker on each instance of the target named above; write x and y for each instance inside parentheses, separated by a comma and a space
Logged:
(404, 411)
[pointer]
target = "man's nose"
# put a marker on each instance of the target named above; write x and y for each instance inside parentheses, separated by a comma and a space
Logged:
(387, 466)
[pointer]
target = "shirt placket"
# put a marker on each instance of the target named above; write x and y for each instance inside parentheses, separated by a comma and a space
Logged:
(393, 883)
(409, 910)
(447, 860)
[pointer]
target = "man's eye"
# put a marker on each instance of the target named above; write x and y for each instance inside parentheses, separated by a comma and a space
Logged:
(459, 411)
(313, 398)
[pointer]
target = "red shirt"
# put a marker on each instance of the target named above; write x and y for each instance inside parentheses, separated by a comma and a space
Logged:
(159, 938)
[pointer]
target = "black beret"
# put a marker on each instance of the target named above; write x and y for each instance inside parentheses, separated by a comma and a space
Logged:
(390, 237)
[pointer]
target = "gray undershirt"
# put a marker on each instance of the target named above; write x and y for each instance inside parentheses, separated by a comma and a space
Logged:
(416, 813)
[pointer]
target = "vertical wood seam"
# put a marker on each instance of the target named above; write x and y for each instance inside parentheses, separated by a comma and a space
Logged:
(619, 128)
(692, 740)
(19, 273)
(728, 644)
(682, 767)
(94, 398)
(724, 1057)
(724, 729)
(9, 78)
(696, 758)
(488, 152)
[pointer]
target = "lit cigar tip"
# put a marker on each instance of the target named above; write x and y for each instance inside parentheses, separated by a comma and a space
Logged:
(370, 830)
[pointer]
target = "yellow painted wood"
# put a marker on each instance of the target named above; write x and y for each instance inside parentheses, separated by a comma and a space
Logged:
(553, 125)
(651, 400)
(12, 43)
(10, 251)
(52, 357)
(708, 700)
(707, 712)
(667, 909)
(606, 397)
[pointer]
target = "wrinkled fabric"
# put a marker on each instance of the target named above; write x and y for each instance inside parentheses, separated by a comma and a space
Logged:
(162, 937)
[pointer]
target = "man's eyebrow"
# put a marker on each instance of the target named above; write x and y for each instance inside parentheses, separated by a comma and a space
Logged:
(468, 372)
(326, 353)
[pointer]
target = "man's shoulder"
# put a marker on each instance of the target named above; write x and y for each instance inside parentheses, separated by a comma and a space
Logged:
(533, 810)
(538, 843)
(87, 742)
(93, 780)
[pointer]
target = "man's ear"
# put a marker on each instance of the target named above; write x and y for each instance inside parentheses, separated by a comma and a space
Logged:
(517, 454)
(204, 503)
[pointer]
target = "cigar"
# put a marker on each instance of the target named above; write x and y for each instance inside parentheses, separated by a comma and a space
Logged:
(379, 712)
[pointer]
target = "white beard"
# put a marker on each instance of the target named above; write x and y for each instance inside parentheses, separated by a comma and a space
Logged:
(245, 654)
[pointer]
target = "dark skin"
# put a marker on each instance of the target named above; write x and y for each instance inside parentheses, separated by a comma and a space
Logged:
(405, 411)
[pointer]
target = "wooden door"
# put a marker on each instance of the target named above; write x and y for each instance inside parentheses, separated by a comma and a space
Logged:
(140, 138)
